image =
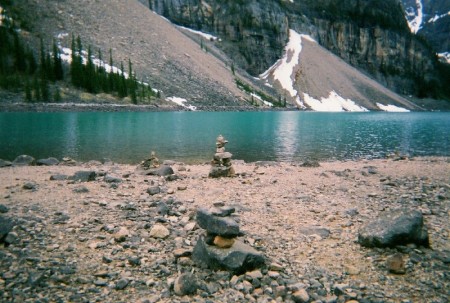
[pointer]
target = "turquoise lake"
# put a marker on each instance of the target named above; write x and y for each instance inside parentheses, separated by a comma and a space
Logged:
(129, 137)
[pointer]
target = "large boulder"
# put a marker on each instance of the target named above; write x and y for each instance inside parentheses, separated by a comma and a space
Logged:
(237, 259)
(398, 227)
(24, 160)
(217, 225)
(221, 171)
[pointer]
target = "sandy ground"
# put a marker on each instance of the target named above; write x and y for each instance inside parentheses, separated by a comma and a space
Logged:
(274, 202)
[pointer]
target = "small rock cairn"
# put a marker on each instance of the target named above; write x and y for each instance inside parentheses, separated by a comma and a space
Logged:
(151, 162)
(220, 248)
(221, 164)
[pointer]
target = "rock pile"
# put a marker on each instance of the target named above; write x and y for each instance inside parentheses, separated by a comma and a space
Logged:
(221, 164)
(220, 248)
(151, 167)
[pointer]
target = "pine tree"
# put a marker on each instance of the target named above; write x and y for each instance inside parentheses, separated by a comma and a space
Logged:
(28, 93)
(57, 95)
(57, 63)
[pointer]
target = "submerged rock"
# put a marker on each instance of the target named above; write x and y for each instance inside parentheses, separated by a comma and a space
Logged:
(398, 227)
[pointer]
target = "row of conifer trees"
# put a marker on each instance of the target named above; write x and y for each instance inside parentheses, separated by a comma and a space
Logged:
(40, 79)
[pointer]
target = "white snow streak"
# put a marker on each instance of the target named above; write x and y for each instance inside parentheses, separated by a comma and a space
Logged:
(333, 103)
(445, 56)
(266, 103)
(204, 35)
(283, 69)
(437, 17)
(181, 102)
(392, 108)
(417, 18)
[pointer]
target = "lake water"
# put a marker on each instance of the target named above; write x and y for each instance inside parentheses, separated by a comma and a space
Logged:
(129, 137)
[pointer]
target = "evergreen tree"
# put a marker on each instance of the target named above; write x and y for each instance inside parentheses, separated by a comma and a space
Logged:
(57, 63)
(57, 95)
(45, 91)
(28, 93)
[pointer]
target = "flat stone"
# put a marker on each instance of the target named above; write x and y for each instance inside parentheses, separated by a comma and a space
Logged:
(163, 170)
(315, 230)
(237, 259)
(112, 179)
(222, 226)
(223, 242)
(58, 177)
(224, 155)
(398, 227)
(47, 162)
(83, 176)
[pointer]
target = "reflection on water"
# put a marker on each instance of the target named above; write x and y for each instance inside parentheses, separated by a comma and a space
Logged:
(253, 136)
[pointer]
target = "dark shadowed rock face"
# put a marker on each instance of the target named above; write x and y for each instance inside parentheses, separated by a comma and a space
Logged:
(83, 176)
(6, 225)
(398, 227)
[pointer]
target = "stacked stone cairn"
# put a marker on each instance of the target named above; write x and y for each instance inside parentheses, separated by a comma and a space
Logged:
(221, 164)
(151, 166)
(220, 249)
(152, 162)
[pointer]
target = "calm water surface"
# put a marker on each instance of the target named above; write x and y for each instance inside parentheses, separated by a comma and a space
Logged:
(253, 136)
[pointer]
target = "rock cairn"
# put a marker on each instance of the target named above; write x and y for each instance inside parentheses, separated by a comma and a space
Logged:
(151, 166)
(221, 164)
(220, 248)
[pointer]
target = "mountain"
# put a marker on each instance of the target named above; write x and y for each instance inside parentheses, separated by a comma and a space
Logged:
(372, 36)
(431, 20)
(208, 54)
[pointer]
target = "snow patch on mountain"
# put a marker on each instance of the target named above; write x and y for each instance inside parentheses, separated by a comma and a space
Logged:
(332, 103)
(392, 108)
(414, 16)
(444, 57)
(437, 17)
(181, 102)
(202, 34)
(283, 69)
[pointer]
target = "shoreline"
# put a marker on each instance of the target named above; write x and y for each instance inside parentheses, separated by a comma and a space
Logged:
(67, 234)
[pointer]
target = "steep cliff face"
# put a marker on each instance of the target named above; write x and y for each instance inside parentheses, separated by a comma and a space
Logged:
(370, 35)
(431, 20)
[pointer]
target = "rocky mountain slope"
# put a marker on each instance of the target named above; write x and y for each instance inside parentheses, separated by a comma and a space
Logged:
(370, 35)
(161, 54)
(431, 19)
(355, 43)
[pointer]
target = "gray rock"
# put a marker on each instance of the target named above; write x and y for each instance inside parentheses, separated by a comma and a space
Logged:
(12, 238)
(398, 227)
(3, 209)
(4, 163)
(315, 230)
(220, 171)
(300, 296)
(47, 162)
(185, 284)
(237, 259)
(6, 225)
(222, 226)
(24, 160)
(163, 170)
(310, 163)
(81, 190)
(83, 176)
(30, 186)
(154, 190)
(122, 283)
(112, 179)
(58, 177)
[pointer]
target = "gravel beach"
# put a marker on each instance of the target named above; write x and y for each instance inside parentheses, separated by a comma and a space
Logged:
(126, 237)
